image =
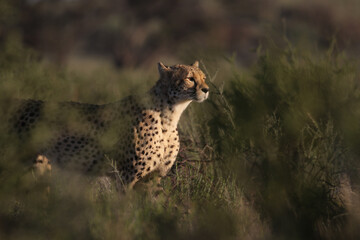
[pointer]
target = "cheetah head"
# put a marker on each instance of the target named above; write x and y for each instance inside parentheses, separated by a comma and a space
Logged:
(184, 82)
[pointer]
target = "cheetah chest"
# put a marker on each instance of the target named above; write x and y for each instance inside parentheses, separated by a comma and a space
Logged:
(171, 146)
(155, 148)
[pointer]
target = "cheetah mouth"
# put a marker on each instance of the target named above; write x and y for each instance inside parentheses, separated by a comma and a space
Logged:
(202, 97)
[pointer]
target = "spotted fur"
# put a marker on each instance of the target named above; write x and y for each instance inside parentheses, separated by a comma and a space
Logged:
(139, 133)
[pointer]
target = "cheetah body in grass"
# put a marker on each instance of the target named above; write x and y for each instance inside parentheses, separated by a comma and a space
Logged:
(138, 133)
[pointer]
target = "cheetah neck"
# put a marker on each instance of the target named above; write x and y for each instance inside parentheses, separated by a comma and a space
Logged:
(172, 113)
(171, 109)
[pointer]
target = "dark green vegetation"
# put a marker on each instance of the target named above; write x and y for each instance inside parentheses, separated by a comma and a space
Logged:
(273, 154)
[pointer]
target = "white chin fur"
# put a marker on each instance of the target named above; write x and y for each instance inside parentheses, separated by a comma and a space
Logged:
(202, 98)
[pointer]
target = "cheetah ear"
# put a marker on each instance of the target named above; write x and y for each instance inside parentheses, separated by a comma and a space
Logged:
(195, 64)
(162, 68)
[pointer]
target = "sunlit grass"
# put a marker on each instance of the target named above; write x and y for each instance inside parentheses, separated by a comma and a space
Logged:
(265, 157)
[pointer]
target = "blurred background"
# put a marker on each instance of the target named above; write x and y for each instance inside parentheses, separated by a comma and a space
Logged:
(272, 154)
(138, 33)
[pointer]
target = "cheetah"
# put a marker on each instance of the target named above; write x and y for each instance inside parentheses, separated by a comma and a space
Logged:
(139, 133)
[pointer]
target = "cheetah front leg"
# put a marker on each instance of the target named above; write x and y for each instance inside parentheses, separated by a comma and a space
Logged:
(165, 168)
(170, 153)
(155, 185)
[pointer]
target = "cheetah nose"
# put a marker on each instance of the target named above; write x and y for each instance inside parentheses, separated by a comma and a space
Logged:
(205, 90)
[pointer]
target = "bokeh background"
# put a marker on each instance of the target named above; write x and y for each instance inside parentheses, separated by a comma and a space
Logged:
(137, 33)
(272, 154)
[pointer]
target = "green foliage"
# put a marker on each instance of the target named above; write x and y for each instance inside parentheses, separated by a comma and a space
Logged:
(292, 135)
(265, 157)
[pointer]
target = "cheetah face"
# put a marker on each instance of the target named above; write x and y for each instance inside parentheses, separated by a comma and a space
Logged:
(185, 82)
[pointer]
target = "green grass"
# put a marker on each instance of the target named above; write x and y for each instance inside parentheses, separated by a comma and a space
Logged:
(271, 155)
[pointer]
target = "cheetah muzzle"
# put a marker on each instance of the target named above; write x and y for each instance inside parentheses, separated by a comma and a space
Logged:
(139, 134)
